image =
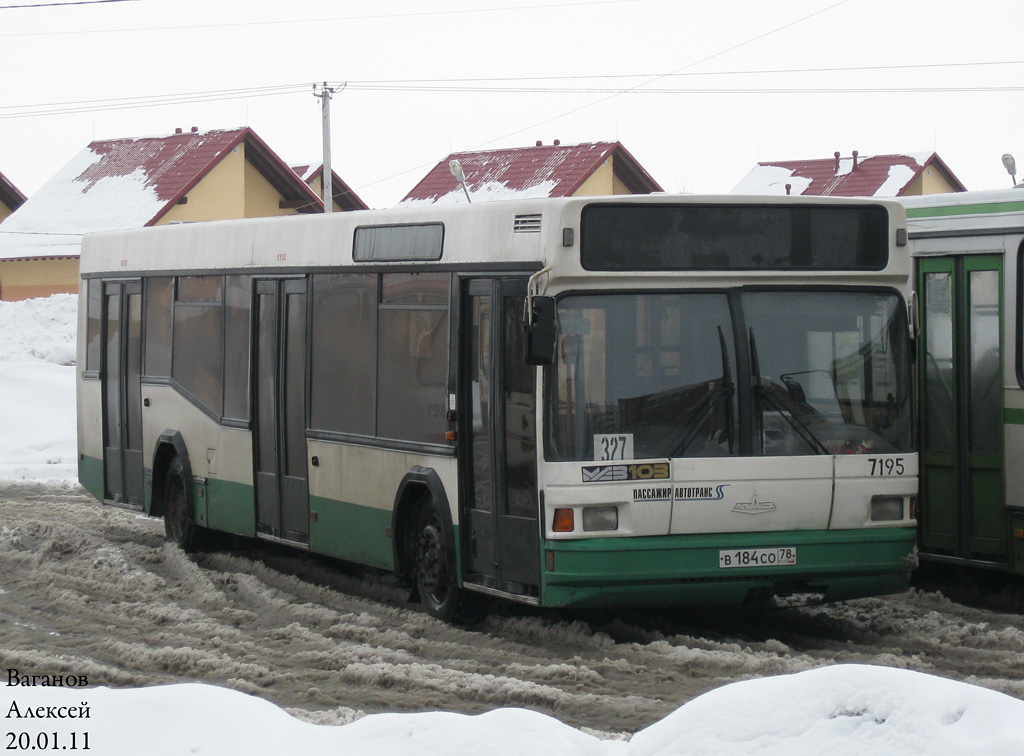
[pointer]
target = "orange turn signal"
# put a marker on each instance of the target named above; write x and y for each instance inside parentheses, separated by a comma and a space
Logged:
(563, 521)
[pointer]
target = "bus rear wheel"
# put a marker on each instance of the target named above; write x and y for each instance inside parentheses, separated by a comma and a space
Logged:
(179, 520)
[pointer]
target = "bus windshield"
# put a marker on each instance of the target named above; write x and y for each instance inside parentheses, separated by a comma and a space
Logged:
(746, 373)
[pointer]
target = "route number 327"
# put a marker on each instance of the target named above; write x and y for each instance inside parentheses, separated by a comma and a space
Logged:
(613, 446)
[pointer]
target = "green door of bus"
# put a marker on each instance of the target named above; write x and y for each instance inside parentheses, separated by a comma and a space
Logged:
(962, 407)
(282, 484)
(497, 411)
(122, 393)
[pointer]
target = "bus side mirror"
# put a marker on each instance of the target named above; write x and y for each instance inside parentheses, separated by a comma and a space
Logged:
(539, 331)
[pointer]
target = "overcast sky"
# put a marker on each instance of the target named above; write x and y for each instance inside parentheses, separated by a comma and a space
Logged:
(698, 92)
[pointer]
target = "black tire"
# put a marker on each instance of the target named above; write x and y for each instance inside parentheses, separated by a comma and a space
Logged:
(436, 581)
(179, 518)
(435, 566)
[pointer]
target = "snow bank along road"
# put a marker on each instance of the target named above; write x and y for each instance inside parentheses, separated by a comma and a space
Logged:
(94, 590)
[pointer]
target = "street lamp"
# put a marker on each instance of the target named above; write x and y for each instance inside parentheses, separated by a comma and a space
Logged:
(456, 168)
(1011, 167)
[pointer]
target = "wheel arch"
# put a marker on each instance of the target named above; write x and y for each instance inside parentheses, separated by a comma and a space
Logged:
(169, 445)
(419, 485)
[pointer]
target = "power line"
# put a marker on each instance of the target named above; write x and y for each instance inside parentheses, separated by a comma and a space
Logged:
(54, 5)
(273, 88)
(145, 101)
(493, 86)
(751, 72)
(658, 78)
(368, 17)
(693, 90)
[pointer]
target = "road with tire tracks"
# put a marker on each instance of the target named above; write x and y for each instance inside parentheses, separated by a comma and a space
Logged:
(95, 590)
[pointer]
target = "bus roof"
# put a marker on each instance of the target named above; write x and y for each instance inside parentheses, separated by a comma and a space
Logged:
(517, 234)
(994, 210)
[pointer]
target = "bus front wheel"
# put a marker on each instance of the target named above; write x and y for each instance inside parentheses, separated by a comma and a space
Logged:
(435, 577)
(179, 520)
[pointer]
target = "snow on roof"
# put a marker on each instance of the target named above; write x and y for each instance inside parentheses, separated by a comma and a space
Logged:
(771, 179)
(52, 222)
(129, 183)
(855, 176)
(527, 172)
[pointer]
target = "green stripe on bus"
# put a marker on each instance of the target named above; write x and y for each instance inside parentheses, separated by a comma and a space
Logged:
(1013, 416)
(351, 532)
(950, 210)
(231, 506)
(90, 475)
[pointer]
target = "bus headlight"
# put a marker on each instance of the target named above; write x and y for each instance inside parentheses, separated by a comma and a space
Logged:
(601, 518)
(886, 508)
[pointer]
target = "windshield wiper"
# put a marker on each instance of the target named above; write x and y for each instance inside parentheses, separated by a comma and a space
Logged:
(711, 403)
(762, 391)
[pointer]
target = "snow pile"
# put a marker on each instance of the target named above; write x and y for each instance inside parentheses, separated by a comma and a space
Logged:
(843, 710)
(37, 389)
(39, 330)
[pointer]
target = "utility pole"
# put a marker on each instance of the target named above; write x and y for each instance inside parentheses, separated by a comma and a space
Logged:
(327, 179)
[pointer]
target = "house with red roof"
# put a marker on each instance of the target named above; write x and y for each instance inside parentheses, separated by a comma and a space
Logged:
(10, 198)
(854, 176)
(184, 177)
(554, 170)
(345, 199)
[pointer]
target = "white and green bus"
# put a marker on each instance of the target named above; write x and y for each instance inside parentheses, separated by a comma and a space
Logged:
(967, 248)
(629, 401)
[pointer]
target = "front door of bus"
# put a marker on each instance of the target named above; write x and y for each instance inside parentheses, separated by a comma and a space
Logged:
(497, 411)
(962, 407)
(282, 486)
(122, 393)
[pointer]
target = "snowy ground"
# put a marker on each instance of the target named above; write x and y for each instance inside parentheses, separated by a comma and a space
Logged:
(256, 650)
(37, 389)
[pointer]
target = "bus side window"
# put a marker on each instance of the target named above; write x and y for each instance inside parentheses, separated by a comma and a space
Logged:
(159, 304)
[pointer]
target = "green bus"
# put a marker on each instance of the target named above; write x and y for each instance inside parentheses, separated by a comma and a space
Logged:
(967, 250)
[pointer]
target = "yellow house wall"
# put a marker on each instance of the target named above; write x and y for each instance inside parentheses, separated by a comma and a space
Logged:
(233, 189)
(934, 182)
(26, 279)
(4, 211)
(261, 198)
(602, 182)
(220, 194)
(931, 181)
(317, 185)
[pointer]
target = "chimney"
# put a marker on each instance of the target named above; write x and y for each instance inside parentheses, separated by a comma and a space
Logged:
(178, 130)
(837, 163)
(195, 129)
(855, 153)
(558, 142)
(540, 143)
(789, 188)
